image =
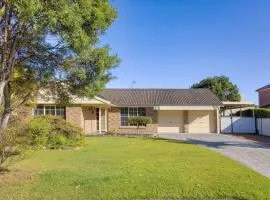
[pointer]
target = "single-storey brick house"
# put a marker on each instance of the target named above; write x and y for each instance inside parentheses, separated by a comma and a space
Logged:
(264, 96)
(171, 110)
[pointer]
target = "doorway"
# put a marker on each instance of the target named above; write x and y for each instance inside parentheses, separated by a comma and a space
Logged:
(90, 121)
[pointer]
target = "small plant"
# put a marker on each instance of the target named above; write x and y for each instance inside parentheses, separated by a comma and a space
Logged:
(112, 132)
(139, 121)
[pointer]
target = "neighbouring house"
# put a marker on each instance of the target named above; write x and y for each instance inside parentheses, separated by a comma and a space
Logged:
(264, 96)
(171, 110)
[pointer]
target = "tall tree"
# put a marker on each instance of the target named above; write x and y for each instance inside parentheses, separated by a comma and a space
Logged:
(221, 86)
(55, 45)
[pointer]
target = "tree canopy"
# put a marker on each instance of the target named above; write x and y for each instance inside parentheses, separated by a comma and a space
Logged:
(220, 86)
(53, 44)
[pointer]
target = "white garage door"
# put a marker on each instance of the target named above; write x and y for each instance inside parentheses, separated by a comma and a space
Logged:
(170, 121)
(201, 122)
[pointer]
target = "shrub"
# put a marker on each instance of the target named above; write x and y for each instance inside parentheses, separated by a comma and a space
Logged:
(39, 130)
(259, 113)
(11, 143)
(54, 132)
(57, 141)
(139, 121)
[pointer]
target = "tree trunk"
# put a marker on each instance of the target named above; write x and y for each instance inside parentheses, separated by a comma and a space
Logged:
(7, 110)
(2, 86)
(4, 123)
(4, 56)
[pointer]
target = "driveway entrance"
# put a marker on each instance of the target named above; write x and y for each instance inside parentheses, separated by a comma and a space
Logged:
(251, 152)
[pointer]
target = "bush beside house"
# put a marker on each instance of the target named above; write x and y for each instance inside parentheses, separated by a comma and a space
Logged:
(54, 132)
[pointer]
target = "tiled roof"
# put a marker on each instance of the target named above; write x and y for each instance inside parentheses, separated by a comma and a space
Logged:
(155, 97)
(264, 87)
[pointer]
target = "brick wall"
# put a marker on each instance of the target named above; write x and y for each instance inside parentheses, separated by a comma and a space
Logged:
(185, 121)
(264, 98)
(74, 115)
(24, 114)
(114, 124)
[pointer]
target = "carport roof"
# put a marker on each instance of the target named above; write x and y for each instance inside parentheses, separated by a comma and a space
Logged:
(238, 104)
(158, 97)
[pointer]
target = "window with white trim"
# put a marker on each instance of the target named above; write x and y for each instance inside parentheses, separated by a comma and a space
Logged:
(50, 110)
(130, 111)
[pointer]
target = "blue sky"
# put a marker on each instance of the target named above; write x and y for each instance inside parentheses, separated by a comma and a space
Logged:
(175, 43)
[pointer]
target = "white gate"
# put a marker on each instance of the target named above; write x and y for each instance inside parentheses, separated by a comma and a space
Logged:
(263, 126)
(238, 125)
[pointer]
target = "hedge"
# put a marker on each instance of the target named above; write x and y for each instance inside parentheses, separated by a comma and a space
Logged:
(259, 113)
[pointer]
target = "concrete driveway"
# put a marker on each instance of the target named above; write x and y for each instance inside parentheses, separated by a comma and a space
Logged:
(253, 153)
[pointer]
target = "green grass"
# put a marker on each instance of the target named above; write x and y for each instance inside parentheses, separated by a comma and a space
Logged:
(132, 168)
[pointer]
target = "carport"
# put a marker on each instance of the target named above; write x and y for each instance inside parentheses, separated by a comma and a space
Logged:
(237, 124)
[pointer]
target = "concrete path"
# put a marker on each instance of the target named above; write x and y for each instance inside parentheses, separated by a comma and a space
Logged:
(254, 154)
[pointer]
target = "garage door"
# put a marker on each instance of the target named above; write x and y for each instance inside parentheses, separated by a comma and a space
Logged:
(201, 122)
(170, 121)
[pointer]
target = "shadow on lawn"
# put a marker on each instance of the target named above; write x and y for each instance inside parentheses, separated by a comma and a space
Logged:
(3, 170)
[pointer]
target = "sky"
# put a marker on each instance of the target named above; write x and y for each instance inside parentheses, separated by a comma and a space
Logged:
(175, 43)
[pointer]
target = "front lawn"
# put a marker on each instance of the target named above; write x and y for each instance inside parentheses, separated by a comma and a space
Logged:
(132, 168)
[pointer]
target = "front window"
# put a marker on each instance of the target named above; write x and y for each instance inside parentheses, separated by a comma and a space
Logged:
(128, 112)
(50, 110)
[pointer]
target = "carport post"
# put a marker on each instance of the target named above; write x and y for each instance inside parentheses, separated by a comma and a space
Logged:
(231, 121)
(255, 120)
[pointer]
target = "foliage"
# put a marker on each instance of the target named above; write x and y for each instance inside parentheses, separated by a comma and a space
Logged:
(53, 45)
(12, 143)
(39, 130)
(220, 86)
(139, 121)
(112, 132)
(54, 132)
(259, 113)
(133, 168)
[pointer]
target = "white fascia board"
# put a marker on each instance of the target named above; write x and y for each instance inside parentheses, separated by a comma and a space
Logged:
(238, 103)
(75, 100)
(186, 107)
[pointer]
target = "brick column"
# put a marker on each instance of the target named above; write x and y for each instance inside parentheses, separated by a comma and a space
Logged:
(185, 121)
(218, 121)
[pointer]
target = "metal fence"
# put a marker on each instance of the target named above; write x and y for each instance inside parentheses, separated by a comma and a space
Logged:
(234, 125)
(263, 126)
(238, 124)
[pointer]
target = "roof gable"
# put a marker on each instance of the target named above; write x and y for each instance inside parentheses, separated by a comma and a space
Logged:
(155, 97)
(263, 88)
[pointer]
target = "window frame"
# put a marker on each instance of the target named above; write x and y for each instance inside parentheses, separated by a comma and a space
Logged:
(54, 108)
(128, 114)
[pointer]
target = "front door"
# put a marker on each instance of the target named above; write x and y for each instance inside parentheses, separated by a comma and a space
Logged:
(90, 122)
